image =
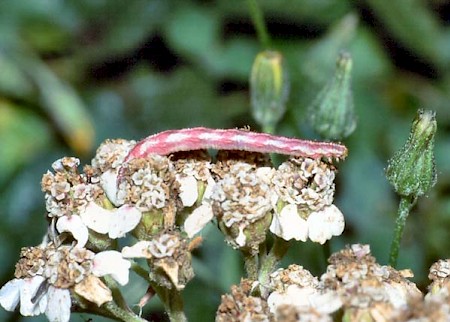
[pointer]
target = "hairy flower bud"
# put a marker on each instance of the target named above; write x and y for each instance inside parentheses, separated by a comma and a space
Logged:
(332, 114)
(412, 170)
(269, 88)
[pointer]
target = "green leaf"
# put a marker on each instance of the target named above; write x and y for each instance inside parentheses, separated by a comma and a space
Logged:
(22, 134)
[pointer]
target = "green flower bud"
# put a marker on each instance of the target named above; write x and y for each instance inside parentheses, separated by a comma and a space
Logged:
(412, 171)
(332, 114)
(269, 88)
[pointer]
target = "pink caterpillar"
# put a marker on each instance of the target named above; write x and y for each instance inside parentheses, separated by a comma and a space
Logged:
(199, 138)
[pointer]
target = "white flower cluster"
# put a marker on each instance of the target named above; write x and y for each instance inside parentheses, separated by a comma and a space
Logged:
(74, 202)
(46, 275)
(163, 201)
(354, 287)
(298, 196)
(305, 189)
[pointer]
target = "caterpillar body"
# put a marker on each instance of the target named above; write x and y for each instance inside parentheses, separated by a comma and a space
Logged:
(199, 138)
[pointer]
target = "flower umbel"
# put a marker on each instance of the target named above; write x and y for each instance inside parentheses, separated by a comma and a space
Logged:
(305, 190)
(47, 277)
(243, 199)
(164, 200)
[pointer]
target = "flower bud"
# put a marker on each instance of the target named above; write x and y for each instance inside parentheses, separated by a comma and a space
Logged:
(332, 114)
(269, 88)
(412, 170)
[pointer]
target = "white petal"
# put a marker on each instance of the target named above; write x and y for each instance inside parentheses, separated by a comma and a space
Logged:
(240, 239)
(294, 295)
(28, 290)
(138, 250)
(123, 220)
(75, 226)
(59, 303)
(112, 263)
(289, 225)
(326, 303)
(10, 294)
(188, 190)
(209, 188)
(198, 219)
(116, 222)
(318, 230)
(325, 224)
(336, 220)
(96, 218)
(108, 181)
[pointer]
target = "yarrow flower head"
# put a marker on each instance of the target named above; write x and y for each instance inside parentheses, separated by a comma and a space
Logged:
(354, 286)
(168, 255)
(305, 190)
(74, 203)
(193, 175)
(297, 293)
(243, 199)
(366, 288)
(240, 305)
(47, 276)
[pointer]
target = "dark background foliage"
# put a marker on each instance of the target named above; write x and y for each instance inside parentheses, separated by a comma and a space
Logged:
(75, 72)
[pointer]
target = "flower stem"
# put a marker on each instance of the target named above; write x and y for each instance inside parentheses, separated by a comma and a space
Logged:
(121, 314)
(117, 295)
(142, 272)
(251, 265)
(404, 207)
(171, 298)
(277, 252)
(173, 302)
(258, 21)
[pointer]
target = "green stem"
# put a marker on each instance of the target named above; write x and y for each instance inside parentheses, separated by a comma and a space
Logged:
(251, 265)
(404, 207)
(142, 272)
(258, 21)
(121, 314)
(117, 295)
(171, 298)
(173, 302)
(277, 252)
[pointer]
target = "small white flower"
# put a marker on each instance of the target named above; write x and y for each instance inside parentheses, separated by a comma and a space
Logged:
(59, 303)
(289, 225)
(116, 222)
(240, 239)
(162, 246)
(112, 263)
(304, 299)
(198, 219)
(22, 291)
(324, 224)
(138, 250)
(108, 181)
(294, 295)
(75, 226)
(188, 190)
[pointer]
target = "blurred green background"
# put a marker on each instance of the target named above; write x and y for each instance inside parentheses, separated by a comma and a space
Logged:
(74, 73)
